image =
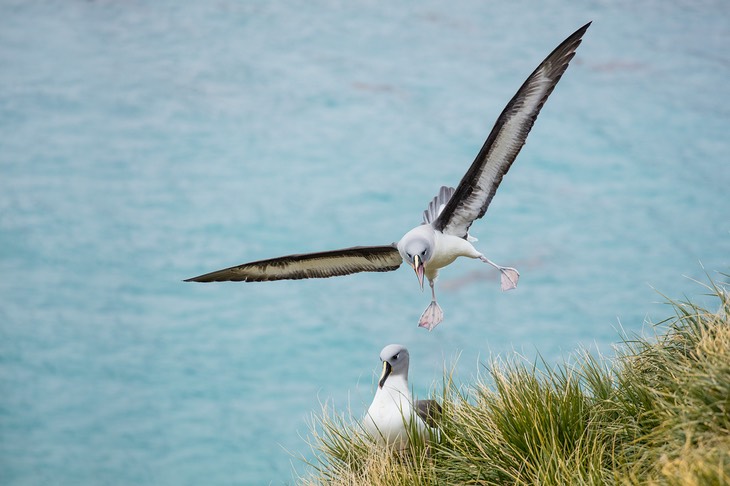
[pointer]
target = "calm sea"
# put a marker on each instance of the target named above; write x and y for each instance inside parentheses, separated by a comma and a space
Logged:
(142, 143)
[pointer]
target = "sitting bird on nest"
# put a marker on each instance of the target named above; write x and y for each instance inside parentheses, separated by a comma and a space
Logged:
(393, 411)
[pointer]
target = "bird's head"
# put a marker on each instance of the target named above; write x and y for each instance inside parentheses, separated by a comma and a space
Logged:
(416, 248)
(395, 362)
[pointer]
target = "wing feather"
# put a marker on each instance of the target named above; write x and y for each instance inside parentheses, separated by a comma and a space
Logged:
(437, 204)
(310, 265)
(430, 412)
(480, 183)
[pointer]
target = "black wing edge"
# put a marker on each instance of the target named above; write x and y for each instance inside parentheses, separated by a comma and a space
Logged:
(465, 188)
(230, 274)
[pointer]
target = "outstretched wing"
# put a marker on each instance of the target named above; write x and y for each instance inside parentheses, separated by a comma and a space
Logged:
(311, 265)
(480, 183)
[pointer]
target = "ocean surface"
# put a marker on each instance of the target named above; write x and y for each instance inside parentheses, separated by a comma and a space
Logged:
(142, 143)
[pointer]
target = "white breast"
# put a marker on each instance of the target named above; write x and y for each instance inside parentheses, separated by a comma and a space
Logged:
(447, 249)
(389, 413)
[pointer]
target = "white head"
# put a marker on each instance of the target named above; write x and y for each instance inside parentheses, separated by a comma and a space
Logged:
(416, 248)
(395, 362)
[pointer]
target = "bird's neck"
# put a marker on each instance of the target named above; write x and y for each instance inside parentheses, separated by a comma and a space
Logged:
(396, 388)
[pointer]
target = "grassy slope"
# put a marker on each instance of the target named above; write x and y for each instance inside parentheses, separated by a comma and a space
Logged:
(657, 413)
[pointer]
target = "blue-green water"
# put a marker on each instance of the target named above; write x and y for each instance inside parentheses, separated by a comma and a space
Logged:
(146, 142)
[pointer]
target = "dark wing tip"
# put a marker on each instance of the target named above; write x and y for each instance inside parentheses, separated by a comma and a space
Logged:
(570, 45)
(217, 276)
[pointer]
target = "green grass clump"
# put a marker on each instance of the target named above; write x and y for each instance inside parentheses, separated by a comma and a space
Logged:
(656, 413)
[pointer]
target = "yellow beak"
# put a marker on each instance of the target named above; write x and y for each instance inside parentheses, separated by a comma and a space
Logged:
(418, 268)
(384, 375)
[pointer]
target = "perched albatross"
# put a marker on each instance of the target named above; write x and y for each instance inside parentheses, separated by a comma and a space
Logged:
(393, 412)
(444, 234)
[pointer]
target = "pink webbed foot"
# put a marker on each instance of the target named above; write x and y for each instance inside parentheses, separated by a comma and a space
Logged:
(432, 316)
(509, 275)
(509, 278)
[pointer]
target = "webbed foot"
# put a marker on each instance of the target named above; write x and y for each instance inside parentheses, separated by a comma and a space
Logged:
(509, 275)
(509, 278)
(432, 316)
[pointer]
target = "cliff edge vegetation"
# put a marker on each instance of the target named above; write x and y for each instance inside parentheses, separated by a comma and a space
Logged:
(657, 412)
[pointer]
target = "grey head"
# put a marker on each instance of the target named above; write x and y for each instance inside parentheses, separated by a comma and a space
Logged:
(416, 248)
(395, 359)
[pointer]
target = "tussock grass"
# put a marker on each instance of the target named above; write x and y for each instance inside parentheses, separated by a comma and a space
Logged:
(656, 413)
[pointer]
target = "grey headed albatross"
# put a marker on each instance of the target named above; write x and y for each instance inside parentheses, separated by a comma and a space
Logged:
(393, 412)
(443, 235)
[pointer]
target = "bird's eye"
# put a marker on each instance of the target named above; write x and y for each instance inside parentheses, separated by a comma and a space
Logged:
(423, 253)
(395, 357)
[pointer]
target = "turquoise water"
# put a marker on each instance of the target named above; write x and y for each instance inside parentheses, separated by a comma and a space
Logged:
(146, 142)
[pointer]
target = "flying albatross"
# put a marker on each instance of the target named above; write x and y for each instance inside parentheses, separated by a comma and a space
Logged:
(393, 413)
(444, 234)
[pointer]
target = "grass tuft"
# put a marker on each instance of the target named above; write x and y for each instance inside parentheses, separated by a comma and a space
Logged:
(656, 413)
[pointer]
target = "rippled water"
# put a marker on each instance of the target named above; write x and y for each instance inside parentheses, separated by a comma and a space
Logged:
(146, 142)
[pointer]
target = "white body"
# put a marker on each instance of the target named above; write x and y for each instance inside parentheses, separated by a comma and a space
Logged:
(445, 248)
(390, 412)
